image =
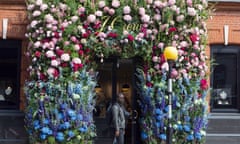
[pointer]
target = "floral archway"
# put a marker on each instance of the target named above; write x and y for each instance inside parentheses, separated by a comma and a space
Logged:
(66, 35)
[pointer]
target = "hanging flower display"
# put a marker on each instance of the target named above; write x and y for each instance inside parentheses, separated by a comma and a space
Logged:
(65, 37)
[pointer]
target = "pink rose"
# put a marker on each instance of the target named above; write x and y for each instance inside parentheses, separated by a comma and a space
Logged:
(111, 11)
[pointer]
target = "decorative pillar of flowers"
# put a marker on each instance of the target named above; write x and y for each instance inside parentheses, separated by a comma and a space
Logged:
(66, 35)
(60, 90)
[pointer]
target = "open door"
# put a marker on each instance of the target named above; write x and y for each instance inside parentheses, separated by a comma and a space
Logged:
(114, 76)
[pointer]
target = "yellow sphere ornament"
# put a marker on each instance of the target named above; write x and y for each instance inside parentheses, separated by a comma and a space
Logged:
(170, 53)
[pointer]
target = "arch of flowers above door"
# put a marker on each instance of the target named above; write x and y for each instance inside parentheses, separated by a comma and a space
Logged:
(65, 36)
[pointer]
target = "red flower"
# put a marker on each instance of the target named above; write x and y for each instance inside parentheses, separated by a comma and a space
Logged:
(97, 25)
(38, 54)
(80, 52)
(56, 73)
(59, 52)
(85, 35)
(149, 84)
(42, 76)
(76, 67)
(194, 38)
(203, 84)
(112, 35)
(64, 64)
(56, 35)
(130, 37)
(172, 29)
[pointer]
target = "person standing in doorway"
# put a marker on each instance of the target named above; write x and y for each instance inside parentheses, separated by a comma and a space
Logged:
(120, 117)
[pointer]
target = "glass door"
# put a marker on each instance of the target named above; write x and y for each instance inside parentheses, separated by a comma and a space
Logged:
(115, 76)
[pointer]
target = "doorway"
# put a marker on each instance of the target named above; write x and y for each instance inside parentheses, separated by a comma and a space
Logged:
(115, 75)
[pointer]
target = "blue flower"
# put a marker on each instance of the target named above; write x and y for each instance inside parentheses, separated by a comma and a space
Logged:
(83, 129)
(60, 136)
(45, 130)
(71, 113)
(46, 121)
(66, 125)
(80, 117)
(144, 135)
(186, 128)
(198, 136)
(190, 137)
(60, 116)
(71, 134)
(43, 136)
(36, 124)
(158, 111)
(179, 127)
(162, 136)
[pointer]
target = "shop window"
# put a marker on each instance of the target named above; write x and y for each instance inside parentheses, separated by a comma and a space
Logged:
(224, 79)
(9, 74)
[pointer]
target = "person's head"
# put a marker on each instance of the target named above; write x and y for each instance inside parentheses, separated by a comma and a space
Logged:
(121, 98)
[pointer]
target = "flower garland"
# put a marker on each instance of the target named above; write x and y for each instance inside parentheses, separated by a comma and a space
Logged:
(65, 38)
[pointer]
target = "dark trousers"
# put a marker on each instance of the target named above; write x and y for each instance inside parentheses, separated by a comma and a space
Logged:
(120, 138)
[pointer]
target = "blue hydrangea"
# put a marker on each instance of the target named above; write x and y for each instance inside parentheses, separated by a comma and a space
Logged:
(144, 135)
(163, 136)
(60, 136)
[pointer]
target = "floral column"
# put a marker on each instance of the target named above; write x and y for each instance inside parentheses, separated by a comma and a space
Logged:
(60, 90)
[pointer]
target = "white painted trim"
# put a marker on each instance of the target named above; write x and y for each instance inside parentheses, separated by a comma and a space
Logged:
(222, 135)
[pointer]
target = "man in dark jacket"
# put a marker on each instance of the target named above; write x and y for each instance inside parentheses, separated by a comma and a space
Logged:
(120, 116)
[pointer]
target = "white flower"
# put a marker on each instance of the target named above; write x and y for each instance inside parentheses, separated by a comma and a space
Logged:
(101, 4)
(50, 54)
(83, 41)
(180, 18)
(141, 11)
(157, 17)
(43, 7)
(65, 57)
(91, 18)
(115, 3)
(77, 60)
(126, 9)
(50, 71)
(37, 44)
(38, 2)
(145, 18)
(49, 18)
(33, 23)
(76, 47)
(155, 58)
(191, 11)
(30, 7)
(99, 13)
(171, 2)
(54, 63)
(74, 18)
(165, 66)
(127, 18)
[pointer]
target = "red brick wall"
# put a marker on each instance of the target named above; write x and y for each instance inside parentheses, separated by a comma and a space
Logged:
(225, 14)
